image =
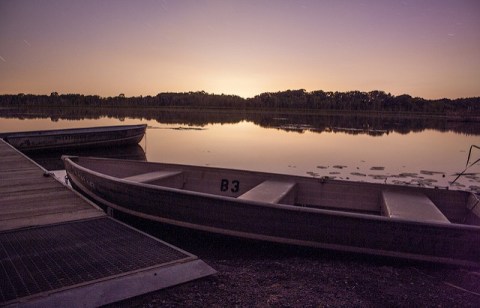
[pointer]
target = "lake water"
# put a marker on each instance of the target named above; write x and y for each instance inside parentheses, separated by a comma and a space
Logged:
(427, 157)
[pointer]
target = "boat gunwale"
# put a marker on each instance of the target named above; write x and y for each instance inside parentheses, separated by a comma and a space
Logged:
(297, 208)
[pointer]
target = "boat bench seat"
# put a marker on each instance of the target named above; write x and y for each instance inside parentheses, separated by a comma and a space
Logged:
(271, 192)
(413, 206)
(152, 176)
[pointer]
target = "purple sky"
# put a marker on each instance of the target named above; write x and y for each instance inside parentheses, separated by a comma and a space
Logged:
(428, 48)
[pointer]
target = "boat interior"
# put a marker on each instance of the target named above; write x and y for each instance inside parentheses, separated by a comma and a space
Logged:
(394, 201)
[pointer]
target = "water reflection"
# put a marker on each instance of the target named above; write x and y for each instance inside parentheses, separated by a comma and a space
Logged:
(430, 158)
(425, 157)
(301, 121)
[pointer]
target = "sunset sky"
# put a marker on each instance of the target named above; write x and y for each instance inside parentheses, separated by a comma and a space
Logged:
(428, 48)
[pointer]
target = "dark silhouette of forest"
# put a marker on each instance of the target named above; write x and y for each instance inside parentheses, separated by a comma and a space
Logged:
(321, 101)
(374, 113)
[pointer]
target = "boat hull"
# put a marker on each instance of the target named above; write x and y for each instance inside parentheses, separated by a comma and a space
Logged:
(354, 232)
(107, 136)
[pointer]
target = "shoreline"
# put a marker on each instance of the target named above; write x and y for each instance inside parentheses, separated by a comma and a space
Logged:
(450, 115)
(257, 274)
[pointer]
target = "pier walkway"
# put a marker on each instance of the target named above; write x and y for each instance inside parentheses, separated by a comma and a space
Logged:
(59, 249)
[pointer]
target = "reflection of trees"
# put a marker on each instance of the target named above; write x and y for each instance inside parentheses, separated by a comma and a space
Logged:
(374, 124)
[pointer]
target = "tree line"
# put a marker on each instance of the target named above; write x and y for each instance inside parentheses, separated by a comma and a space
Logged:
(354, 101)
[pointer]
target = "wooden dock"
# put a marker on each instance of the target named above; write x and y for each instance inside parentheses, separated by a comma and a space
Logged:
(57, 248)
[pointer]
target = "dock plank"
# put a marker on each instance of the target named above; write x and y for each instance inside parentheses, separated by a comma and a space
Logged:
(42, 219)
(29, 203)
(39, 193)
(26, 187)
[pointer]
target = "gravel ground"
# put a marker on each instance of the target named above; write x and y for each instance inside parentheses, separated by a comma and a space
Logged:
(256, 274)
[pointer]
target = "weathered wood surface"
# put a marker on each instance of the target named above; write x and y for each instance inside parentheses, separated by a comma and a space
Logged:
(30, 197)
(58, 249)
